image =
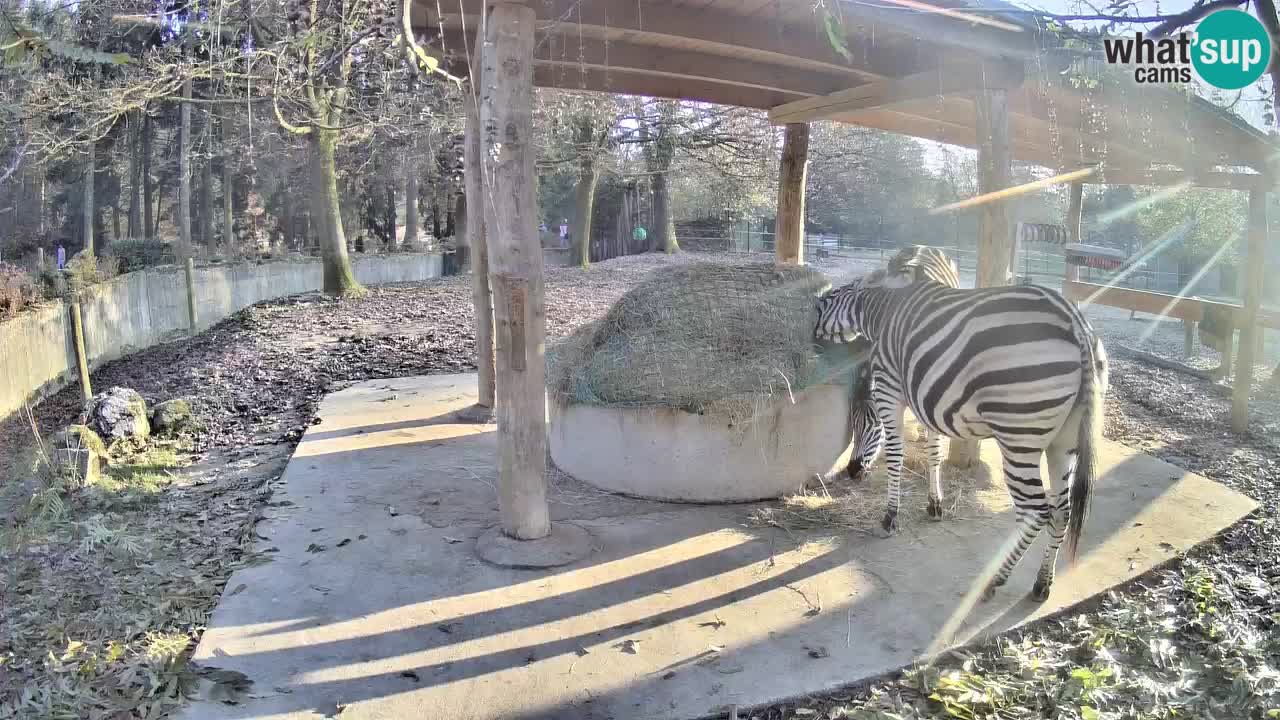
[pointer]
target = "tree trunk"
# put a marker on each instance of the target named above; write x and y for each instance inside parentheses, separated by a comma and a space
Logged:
(515, 269)
(588, 175)
(206, 204)
(410, 200)
(115, 221)
(339, 279)
(228, 216)
(664, 229)
(135, 179)
(286, 220)
(88, 217)
(389, 214)
(473, 237)
(435, 219)
(791, 185)
(148, 189)
(42, 210)
(184, 249)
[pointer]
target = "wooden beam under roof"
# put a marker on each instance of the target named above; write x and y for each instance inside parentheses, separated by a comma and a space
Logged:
(1163, 178)
(945, 80)
(573, 54)
(626, 82)
(758, 38)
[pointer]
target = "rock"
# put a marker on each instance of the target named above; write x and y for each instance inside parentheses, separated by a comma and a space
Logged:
(120, 414)
(172, 417)
(77, 454)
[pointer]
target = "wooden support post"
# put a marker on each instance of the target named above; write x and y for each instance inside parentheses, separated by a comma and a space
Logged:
(995, 172)
(82, 357)
(39, 259)
(1075, 209)
(515, 268)
(481, 295)
(1188, 338)
(191, 295)
(1254, 265)
(791, 183)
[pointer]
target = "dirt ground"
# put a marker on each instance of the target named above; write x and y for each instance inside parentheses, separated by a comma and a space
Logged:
(94, 622)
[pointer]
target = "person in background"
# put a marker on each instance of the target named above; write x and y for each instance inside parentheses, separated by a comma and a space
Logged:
(62, 257)
(564, 233)
(639, 234)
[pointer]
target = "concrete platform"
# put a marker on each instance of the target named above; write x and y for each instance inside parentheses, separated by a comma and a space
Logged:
(376, 605)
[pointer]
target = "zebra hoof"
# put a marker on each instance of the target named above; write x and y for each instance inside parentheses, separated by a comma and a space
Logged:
(1040, 592)
(890, 523)
(935, 508)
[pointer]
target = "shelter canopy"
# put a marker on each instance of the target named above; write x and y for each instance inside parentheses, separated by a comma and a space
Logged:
(908, 67)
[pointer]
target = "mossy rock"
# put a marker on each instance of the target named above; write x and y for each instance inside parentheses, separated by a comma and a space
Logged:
(78, 436)
(120, 414)
(173, 417)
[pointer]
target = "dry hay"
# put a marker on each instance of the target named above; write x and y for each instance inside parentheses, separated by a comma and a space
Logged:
(703, 337)
(860, 508)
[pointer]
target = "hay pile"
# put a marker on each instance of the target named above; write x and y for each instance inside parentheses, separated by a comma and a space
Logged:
(843, 508)
(703, 337)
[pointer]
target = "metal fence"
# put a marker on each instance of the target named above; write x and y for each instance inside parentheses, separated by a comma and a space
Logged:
(1033, 265)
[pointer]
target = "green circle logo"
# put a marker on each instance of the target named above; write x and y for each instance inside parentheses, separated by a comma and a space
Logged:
(1232, 49)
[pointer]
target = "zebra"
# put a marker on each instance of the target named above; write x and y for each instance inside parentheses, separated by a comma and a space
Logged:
(911, 264)
(1019, 364)
(866, 432)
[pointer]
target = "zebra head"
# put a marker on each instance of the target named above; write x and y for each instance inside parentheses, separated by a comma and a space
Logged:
(837, 321)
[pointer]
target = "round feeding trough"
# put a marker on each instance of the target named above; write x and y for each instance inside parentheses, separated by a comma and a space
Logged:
(666, 454)
(702, 384)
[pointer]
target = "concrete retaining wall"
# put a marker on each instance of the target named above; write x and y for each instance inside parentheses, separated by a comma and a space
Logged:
(140, 309)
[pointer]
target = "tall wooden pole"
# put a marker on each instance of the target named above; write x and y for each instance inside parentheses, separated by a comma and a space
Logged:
(481, 295)
(82, 361)
(791, 182)
(515, 268)
(1075, 209)
(1255, 264)
(995, 172)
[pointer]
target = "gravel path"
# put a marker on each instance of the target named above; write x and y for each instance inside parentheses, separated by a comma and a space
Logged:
(257, 377)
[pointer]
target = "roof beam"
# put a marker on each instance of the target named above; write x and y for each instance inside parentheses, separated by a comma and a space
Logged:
(626, 82)
(1148, 176)
(648, 23)
(571, 54)
(981, 33)
(931, 83)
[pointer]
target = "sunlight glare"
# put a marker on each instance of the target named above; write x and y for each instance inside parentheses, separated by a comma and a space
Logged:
(1015, 190)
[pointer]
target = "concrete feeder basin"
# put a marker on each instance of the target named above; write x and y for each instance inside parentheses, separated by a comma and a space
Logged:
(677, 456)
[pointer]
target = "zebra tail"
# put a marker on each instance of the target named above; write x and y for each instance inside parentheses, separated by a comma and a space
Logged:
(1092, 388)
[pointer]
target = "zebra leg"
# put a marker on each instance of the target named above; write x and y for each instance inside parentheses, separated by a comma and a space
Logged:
(1022, 476)
(890, 411)
(1061, 464)
(933, 441)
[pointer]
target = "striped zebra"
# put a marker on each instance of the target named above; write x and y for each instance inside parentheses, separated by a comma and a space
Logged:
(1018, 364)
(866, 432)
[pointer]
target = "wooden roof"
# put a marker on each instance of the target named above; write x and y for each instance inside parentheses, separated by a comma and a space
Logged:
(911, 67)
